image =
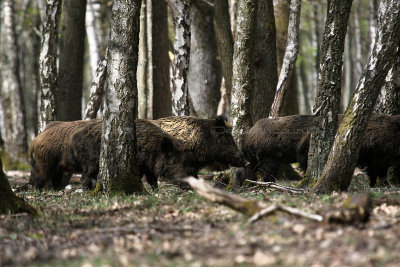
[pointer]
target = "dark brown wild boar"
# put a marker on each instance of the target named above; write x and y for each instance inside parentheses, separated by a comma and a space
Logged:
(271, 142)
(158, 153)
(380, 147)
(205, 142)
(50, 158)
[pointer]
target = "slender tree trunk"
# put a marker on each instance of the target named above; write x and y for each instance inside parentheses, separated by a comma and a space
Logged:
(181, 16)
(48, 63)
(305, 88)
(142, 69)
(281, 12)
(243, 68)
(327, 102)
(203, 67)
(224, 38)
(70, 76)
(94, 36)
(118, 165)
(289, 60)
(13, 101)
(160, 93)
(357, 39)
(316, 44)
(265, 73)
(348, 73)
(344, 154)
(373, 19)
(96, 91)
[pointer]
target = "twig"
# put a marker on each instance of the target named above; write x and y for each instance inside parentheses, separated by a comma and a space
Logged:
(287, 209)
(279, 187)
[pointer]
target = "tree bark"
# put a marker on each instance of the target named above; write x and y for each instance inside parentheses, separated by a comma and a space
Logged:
(389, 99)
(243, 68)
(118, 164)
(48, 64)
(13, 101)
(70, 76)
(327, 101)
(181, 15)
(348, 73)
(224, 38)
(357, 39)
(161, 105)
(265, 73)
(142, 69)
(291, 53)
(203, 67)
(373, 19)
(344, 154)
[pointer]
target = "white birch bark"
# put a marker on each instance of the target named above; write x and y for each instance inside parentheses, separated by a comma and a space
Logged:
(96, 91)
(93, 33)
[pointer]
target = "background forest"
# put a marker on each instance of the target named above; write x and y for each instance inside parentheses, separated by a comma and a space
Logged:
(83, 36)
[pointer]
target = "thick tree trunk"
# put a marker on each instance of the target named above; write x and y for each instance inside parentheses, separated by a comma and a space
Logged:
(118, 164)
(281, 12)
(327, 102)
(161, 105)
(96, 91)
(289, 60)
(70, 75)
(203, 67)
(265, 73)
(344, 154)
(13, 101)
(224, 38)
(48, 63)
(181, 16)
(243, 68)
(10, 203)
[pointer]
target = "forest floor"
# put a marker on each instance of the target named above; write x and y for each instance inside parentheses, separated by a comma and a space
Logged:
(171, 227)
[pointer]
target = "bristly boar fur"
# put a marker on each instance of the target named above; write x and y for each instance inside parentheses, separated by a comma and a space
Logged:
(158, 153)
(272, 141)
(380, 147)
(206, 142)
(52, 165)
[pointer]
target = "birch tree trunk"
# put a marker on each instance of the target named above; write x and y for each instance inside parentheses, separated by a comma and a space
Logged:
(13, 101)
(142, 69)
(181, 16)
(289, 60)
(159, 87)
(223, 34)
(373, 19)
(118, 165)
(344, 154)
(203, 67)
(70, 75)
(266, 72)
(96, 91)
(48, 63)
(243, 68)
(348, 73)
(327, 102)
(316, 44)
(281, 12)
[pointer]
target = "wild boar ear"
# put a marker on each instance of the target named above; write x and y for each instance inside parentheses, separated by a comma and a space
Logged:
(220, 121)
(166, 145)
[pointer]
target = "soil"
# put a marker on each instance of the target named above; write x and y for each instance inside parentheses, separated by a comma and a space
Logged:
(172, 227)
